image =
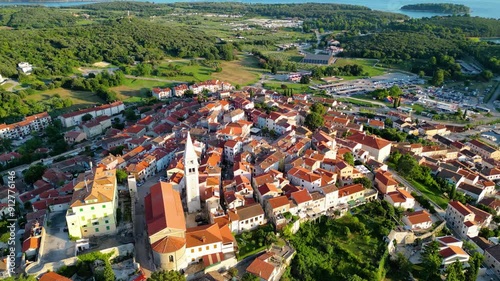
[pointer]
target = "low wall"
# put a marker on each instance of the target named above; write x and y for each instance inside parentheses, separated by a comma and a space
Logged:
(225, 264)
(121, 250)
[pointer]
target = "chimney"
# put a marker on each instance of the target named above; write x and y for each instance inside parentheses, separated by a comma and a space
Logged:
(203, 238)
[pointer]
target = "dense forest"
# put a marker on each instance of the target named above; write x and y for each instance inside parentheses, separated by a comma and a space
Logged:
(419, 40)
(443, 8)
(55, 51)
(39, 17)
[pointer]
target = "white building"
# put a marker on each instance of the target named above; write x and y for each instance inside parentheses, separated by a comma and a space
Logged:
(92, 208)
(25, 68)
(461, 219)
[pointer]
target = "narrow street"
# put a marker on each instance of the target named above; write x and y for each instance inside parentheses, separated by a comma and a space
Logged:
(143, 254)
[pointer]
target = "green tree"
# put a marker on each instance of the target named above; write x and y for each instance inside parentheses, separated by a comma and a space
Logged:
(318, 108)
(249, 277)
(475, 262)
(121, 176)
(455, 272)
(305, 79)
(438, 78)
(314, 121)
(431, 261)
(233, 271)
(130, 115)
(86, 117)
(395, 91)
(166, 276)
(349, 158)
(144, 69)
(34, 173)
(367, 183)
(421, 74)
(487, 75)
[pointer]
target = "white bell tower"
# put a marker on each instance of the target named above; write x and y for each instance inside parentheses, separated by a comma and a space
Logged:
(191, 177)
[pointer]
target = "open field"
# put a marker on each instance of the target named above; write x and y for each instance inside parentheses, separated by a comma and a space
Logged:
(368, 67)
(134, 90)
(296, 87)
(244, 71)
(78, 97)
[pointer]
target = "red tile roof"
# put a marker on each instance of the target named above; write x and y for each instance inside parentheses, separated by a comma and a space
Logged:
(168, 244)
(52, 276)
(260, 268)
(460, 208)
(419, 217)
(301, 196)
(369, 141)
(164, 209)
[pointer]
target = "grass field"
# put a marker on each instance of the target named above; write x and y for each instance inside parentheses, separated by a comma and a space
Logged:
(78, 97)
(297, 87)
(244, 71)
(368, 66)
(358, 102)
(134, 90)
(433, 195)
(418, 108)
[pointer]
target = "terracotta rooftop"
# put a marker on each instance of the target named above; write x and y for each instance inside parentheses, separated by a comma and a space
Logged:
(164, 209)
(419, 217)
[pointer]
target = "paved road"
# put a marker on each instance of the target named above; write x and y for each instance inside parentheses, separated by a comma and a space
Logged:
(143, 254)
(440, 213)
(21, 168)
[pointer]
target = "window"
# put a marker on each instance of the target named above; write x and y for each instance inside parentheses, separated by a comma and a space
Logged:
(97, 229)
(95, 223)
(72, 223)
(192, 250)
(199, 249)
(92, 208)
(81, 209)
(107, 227)
(83, 218)
(85, 230)
(171, 258)
(208, 248)
(103, 206)
(106, 221)
(215, 246)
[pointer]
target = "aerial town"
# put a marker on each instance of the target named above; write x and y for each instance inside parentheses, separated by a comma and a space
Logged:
(198, 175)
(197, 142)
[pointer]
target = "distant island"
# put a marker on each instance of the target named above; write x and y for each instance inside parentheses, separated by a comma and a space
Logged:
(441, 8)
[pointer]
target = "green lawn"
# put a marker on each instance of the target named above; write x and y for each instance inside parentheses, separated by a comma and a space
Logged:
(418, 108)
(243, 71)
(368, 67)
(358, 102)
(297, 87)
(134, 90)
(434, 195)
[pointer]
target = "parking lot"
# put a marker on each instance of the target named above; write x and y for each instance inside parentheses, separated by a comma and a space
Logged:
(57, 245)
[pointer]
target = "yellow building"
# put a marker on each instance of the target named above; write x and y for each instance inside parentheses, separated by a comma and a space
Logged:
(92, 208)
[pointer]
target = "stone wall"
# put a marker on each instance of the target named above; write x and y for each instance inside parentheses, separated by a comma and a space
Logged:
(38, 269)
